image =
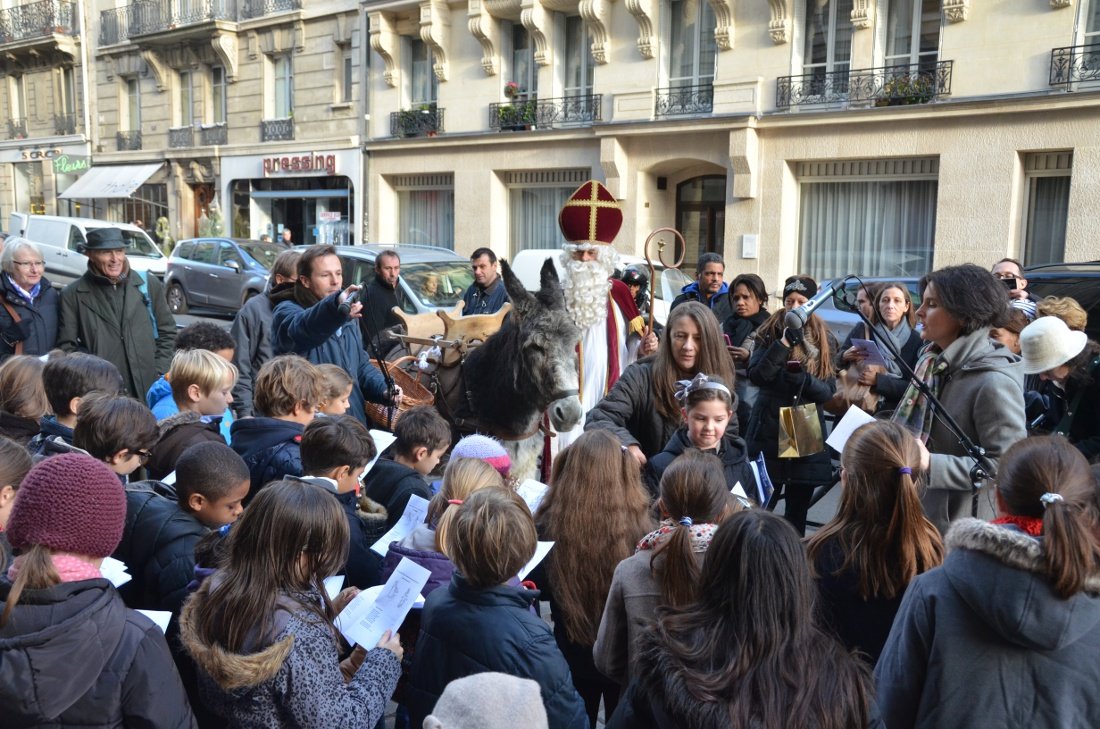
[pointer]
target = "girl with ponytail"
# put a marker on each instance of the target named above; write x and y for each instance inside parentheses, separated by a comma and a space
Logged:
(1007, 631)
(878, 541)
(664, 569)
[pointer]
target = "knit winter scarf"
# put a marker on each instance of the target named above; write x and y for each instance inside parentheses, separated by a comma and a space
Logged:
(701, 535)
(899, 335)
(1031, 525)
(914, 411)
(69, 567)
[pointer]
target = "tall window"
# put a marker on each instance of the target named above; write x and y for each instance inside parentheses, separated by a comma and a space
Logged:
(867, 217)
(578, 58)
(67, 90)
(17, 97)
(132, 122)
(427, 207)
(424, 85)
(524, 71)
(1048, 180)
(828, 37)
(692, 49)
(1091, 24)
(187, 99)
(347, 87)
(535, 199)
(217, 91)
(913, 33)
(701, 215)
(283, 72)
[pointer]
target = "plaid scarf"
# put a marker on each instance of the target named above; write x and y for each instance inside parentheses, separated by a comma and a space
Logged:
(914, 411)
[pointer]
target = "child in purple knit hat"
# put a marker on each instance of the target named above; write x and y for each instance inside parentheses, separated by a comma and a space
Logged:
(484, 448)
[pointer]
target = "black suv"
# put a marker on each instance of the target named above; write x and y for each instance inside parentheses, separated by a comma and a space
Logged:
(1080, 281)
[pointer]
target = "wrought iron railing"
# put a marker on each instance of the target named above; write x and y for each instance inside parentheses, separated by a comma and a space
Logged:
(114, 26)
(1075, 64)
(65, 123)
(276, 130)
(215, 134)
(128, 141)
(154, 16)
(17, 128)
(423, 122)
(181, 137)
(39, 19)
(545, 113)
(886, 86)
(260, 8)
(683, 100)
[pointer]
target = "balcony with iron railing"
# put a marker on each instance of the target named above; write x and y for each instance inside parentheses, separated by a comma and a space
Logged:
(522, 114)
(261, 8)
(277, 130)
(17, 128)
(64, 124)
(181, 137)
(685, 100)
(424, 121)
(896, 85)
(182, 17)
(128, 141)
(38, 20)
(214, 135)
(1074, 65)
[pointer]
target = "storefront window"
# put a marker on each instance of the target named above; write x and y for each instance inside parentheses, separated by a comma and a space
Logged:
(28, 188)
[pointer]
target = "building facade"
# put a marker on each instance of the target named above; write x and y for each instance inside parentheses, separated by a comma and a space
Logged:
(879, 137)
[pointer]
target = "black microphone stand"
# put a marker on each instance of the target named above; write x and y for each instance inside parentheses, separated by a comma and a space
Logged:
(383, 366)
(983, 468)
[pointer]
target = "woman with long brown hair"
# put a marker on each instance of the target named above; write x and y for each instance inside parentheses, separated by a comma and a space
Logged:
(23, 401)
(641, 409)
(878, 541)
(595, 516)
(748, 652)
(791, 367)
(896, 320)
(1006, 633)
(664, 569)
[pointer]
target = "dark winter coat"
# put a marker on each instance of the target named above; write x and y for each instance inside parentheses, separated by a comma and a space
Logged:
(419, 546)
(37, 327)
(292, 681)
(364, 567)
(630, 412)
(158, 547)
(160, 401)
(983, 641)
(1084, 419)
(112, 321)
(464, 631)
(739, 329)
(49, 427)
(252, 331)
(178, 433)
(477, 300)
(719, 304)
(378, 301)
(271, 448)
(74, 656)
(324, 335)
(735, 464)
(391, 484)
(18, 428)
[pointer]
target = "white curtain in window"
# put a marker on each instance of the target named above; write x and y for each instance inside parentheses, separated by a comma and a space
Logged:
(428, 217)
(874, 228)
(1048, 208)
(534, 213)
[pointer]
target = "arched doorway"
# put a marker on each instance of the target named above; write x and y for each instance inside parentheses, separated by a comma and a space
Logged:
(701, 216)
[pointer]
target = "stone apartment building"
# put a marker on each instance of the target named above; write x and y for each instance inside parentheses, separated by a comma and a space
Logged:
(882, 137)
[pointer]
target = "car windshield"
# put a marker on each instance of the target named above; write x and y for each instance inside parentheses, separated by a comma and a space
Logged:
(138, 244)
(438, 284)
(262, 253)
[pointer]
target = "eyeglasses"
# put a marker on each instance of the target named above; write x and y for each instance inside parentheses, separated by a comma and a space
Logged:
(142, 455)
(30, 264)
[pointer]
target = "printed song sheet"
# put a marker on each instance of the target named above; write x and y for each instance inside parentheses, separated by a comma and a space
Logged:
(415, 512)
(372, 612)
(532, 492)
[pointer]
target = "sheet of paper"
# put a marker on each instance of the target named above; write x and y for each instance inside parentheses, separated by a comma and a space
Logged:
(160, 617)
(739, 490)
(115, 571)
(383, 608)
(875, 354)
(541, 550)
(382, 441)
(333, 585)
(415, 512)
(843, 430)
(532, 492)
(170, 479)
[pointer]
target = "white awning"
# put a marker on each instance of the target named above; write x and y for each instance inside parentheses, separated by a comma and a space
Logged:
(110, 182)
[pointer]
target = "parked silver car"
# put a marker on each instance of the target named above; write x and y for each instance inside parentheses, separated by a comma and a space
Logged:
(218, 273)
(431, 277)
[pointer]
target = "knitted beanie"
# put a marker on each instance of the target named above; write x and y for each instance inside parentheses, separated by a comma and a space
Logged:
(489, 701)
(69, 503)
(484, 448)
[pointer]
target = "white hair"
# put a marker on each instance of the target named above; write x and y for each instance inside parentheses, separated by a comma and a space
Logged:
(12, 246)
(586, 283)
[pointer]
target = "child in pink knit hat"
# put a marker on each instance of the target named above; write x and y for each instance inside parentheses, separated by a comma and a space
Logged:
(484, 448)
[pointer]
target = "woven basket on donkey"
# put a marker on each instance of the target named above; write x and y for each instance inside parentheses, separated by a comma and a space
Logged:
(415, 393)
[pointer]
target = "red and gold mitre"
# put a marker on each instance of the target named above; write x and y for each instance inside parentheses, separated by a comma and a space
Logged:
(591, 215)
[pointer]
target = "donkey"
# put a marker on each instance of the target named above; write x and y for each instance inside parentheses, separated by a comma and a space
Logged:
(526, 370)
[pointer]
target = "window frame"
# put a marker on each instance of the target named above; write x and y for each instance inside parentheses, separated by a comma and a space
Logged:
(1034, 170)
(219, 95)
(915, 57)
(282, 76)
(702, 30)
(186, 98)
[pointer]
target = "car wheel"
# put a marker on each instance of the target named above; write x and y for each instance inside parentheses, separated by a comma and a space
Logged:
(177, 300)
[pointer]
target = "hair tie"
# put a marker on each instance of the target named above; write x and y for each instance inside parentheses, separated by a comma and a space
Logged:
(224, 529)
(905, 470)
(699, 382)
(686, 521)
(1049, 498)
(455, 502)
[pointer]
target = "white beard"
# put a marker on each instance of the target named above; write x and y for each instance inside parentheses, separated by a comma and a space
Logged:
(586, 283)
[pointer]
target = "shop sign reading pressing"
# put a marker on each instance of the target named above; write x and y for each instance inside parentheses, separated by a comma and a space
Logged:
(300, 163)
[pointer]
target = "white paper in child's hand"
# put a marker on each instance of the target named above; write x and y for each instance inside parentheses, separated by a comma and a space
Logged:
(541, 550)
(532, 492)
(843, 430)
(115, 571)
(382, 608)
(382, 441)
(415, 513)
(333, 585)
(160, 617)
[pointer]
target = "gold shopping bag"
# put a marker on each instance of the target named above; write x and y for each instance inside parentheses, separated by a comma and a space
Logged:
(800, 431)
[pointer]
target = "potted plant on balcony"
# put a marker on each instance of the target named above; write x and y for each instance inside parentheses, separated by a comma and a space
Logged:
(907, 89)
(520, 113)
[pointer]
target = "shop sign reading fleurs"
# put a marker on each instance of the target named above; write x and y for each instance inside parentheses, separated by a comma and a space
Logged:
(71, 164)
(315, 162)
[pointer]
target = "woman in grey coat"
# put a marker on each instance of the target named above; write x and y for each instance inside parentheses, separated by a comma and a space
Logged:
(1007, 632)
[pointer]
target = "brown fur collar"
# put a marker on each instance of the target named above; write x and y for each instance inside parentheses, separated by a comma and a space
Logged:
(184, 417)
(1012, 548)
(231, 670)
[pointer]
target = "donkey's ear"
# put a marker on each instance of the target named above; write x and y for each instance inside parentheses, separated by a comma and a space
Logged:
(550, 285)
(521, 298)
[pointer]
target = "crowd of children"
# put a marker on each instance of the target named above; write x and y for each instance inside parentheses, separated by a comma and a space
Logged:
(674, 599)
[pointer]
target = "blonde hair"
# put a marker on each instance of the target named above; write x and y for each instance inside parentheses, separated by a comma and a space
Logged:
(335, 381)
(462, 477)
(1066, 309)
(492, 536)
(198, 367)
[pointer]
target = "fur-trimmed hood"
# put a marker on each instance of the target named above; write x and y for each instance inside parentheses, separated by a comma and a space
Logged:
(1000, 573)
(185, 417)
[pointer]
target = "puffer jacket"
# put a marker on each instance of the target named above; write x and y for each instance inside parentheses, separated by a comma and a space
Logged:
(73, 655)
(251, 329)
(735, 464)
(292, 681)
(983, 641)
(160, 401)
(464, 630)
(271, 448)
(364, 567)
(178, 433)
(38, 322)
(719, 304)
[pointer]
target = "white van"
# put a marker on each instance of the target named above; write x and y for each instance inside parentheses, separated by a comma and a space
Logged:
(61, 239)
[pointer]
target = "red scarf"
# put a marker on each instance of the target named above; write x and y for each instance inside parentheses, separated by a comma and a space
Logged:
(1032, 525)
